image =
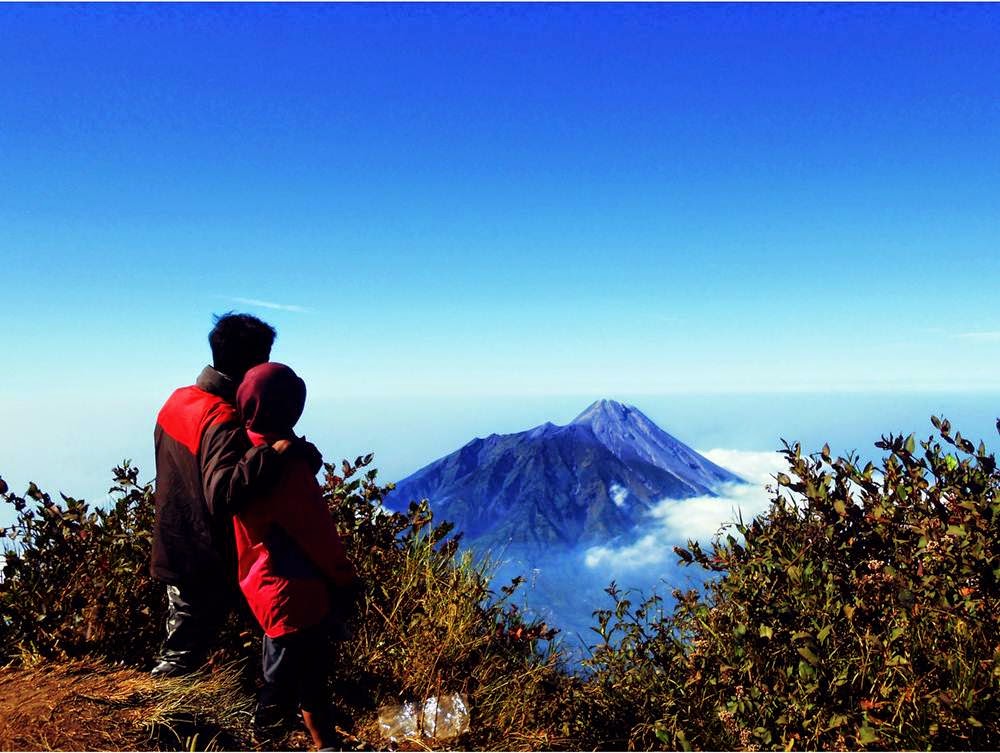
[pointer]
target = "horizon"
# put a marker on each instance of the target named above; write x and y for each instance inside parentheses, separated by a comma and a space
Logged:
(407, 434)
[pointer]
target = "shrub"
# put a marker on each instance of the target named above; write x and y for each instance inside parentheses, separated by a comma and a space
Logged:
(76, 578)
(861, 611)
(76, 582)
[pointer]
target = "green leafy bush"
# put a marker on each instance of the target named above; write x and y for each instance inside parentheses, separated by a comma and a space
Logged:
(76, 578)
(861, 611)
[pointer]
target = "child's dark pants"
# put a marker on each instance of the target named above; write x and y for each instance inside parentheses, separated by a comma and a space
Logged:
(296, 668)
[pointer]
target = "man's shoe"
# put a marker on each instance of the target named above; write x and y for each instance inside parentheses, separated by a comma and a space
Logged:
(169, 669)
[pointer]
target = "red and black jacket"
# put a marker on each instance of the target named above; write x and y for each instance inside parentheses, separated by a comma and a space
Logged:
(205, 465)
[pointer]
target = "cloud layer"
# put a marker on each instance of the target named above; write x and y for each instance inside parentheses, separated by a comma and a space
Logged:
(674, 521)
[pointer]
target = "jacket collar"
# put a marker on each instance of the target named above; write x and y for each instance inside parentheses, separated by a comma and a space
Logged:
(217, 383)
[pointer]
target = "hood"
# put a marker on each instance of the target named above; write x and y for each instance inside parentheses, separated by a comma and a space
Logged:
(271, 398)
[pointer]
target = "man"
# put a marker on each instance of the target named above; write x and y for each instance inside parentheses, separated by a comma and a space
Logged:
(205, 467)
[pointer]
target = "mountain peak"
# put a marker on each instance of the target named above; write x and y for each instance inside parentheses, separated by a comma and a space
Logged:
(600, 411)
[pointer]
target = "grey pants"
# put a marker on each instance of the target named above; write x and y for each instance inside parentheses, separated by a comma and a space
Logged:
(194, 617)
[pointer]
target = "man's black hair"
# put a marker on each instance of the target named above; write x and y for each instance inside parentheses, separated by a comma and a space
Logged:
(239, 342)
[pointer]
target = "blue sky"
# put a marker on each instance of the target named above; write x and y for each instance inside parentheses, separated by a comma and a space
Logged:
(437, 202)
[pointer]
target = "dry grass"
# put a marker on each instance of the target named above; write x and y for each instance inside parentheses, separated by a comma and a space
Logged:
(74, 706)
(84, 705)
(210, 711)
(429, 634)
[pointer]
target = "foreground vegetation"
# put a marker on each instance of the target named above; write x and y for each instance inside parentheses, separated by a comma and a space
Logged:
(860, 611)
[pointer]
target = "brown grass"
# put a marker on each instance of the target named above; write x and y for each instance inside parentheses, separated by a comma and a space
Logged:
(84, 705)
(75, 706)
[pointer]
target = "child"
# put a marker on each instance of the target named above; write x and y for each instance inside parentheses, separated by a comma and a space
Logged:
(289, 556)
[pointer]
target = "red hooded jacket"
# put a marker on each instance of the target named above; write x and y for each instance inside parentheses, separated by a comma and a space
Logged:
(288, 549)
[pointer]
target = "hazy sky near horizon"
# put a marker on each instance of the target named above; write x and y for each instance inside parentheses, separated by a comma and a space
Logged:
(473, 200)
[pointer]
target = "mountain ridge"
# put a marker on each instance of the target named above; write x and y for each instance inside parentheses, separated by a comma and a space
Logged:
(591, 480)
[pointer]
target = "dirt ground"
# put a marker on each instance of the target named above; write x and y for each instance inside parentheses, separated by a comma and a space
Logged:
(89, 706)
(74, 707)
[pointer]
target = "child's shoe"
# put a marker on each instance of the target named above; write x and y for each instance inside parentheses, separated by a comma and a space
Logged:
(268, 724)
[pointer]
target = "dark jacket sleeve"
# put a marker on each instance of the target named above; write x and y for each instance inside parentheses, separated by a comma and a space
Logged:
(232, 470)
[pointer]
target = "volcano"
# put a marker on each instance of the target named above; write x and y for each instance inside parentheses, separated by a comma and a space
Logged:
(590, 481)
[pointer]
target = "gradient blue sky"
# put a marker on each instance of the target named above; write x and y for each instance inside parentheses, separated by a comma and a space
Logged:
(438, 201)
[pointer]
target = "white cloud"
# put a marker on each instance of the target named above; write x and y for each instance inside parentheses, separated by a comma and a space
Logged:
(268, 304)
(618, 494)
(674, 521)
(646, 551)
(753, 466)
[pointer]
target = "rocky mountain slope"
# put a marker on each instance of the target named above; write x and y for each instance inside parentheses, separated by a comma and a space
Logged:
(588, 481)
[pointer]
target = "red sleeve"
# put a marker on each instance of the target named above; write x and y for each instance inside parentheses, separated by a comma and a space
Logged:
(303, 514)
